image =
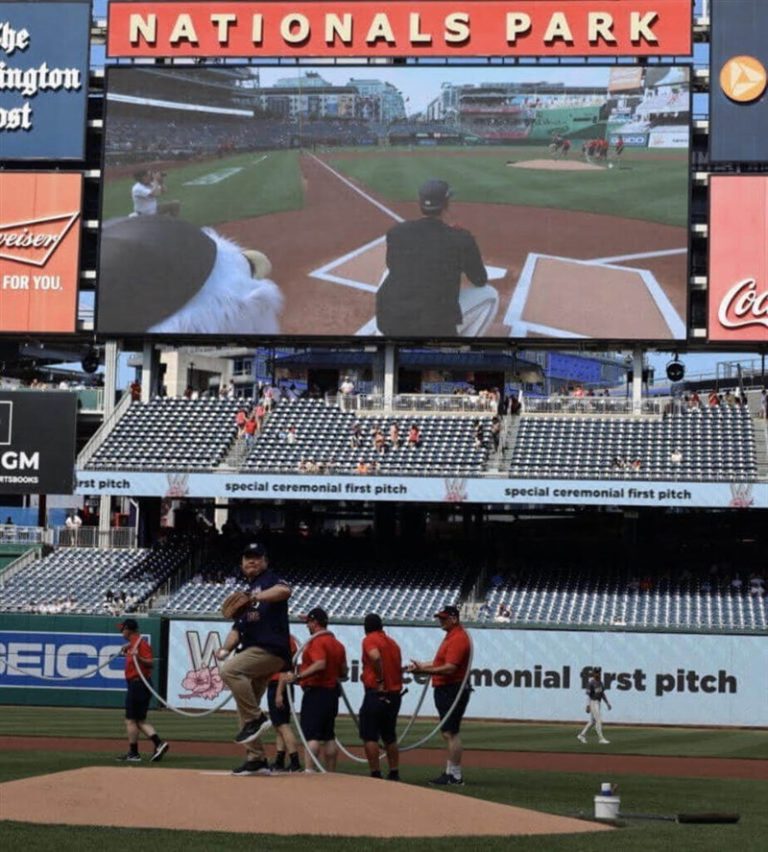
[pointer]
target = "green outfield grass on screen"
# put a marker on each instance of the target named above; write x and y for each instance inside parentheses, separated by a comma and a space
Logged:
(232, 140)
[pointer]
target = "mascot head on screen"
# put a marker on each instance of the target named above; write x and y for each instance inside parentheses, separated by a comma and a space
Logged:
(161, 275)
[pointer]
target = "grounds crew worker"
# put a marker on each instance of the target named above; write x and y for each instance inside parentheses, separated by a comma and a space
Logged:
(448, 670)
(137, 654)
(383, 682)
(323, 665)
(426, 258)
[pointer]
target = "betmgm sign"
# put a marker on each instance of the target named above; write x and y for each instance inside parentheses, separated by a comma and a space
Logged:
(37, 442)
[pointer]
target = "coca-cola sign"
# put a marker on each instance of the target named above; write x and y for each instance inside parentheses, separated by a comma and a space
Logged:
(738, 263)
(743, 305)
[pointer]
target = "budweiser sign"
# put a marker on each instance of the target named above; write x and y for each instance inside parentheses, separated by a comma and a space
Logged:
(33, 241)
(743, 305)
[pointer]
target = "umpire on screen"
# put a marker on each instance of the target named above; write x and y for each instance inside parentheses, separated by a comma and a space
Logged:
(425, 260)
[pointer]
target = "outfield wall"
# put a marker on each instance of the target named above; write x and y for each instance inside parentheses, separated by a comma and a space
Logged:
(652, 678)
(43, 658)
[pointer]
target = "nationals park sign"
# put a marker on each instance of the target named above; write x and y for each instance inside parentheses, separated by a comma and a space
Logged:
(533, 674)
(304, 28)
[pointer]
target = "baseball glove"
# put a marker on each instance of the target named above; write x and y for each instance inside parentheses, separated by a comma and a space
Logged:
(234, 604)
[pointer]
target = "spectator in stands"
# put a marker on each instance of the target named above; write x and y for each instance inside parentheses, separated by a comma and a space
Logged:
(503, 615)
(379, 442)
(496, 433)
(240, 419)
(414, 436)
(135, 390)
(259, 412)
(676, 456)
(713, 399)
(695, 400)
(425, 261)
(764, 404)
(618, 463)
(479, 435)
(737, 583)
(347, 386)
(363, 468)
(514, 405)
(291, 437)
(730, 400)
(394, 436)
(756, 585)
(636, 465)
(250, 428)
(448, 670)
(356, 435)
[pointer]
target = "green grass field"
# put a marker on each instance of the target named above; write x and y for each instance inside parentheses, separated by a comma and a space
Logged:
(560, 793)
(655, 190)
(268, 184)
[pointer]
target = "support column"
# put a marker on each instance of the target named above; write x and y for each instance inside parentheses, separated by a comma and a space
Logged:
(111, 352)
(150, 370)
(637, 380)
(389, 374)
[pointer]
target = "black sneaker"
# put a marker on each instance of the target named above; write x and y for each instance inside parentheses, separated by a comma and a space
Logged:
(158, 753)
(129, 757)
(393, 775)
(252, 767)
(446, 780)
(251, 730)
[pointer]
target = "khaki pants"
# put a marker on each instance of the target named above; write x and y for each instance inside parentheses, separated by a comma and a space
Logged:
(246, 675)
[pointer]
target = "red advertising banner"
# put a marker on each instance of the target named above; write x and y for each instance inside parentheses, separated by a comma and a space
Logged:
(401, 28)
(738, 259)
(39, 250)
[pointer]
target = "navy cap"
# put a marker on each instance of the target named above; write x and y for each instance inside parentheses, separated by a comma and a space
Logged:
(128, 624)
(255, 550)
(448, 611)
(318, 614)
(434, 195)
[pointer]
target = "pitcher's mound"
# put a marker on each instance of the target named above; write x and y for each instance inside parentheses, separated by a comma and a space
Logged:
(556, 165)
(308, 803)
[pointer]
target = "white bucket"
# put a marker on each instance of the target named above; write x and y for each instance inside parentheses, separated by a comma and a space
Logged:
(607, 807)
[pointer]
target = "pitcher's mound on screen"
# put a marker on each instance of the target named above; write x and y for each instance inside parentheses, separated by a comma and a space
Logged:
(297, 803)
(562, 297)
(555, 165)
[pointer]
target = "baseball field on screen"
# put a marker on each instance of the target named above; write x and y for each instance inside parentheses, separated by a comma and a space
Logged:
(93, 738)
(318, 191)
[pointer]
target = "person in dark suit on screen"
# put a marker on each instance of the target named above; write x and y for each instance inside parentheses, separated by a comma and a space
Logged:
(426, 258)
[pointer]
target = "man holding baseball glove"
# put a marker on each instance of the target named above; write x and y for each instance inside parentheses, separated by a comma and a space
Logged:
(261, 634)
(596, 695)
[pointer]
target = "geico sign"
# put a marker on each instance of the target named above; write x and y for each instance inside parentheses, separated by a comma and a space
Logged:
(47, 659)
(11, 460)
(742, 305)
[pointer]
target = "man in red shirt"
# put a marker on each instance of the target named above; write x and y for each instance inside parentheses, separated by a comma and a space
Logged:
(323, 665)
(448, 670)
(383, 682)
(137, 655)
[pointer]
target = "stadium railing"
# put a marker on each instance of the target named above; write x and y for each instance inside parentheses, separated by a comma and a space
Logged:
(119, 537)
(416, 403)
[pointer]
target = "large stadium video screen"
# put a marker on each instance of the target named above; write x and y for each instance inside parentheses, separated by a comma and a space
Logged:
(415, 202)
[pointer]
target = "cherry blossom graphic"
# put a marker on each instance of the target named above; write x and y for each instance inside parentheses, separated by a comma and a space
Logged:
(204, 683)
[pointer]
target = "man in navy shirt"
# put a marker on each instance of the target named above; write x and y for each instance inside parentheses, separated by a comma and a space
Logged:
(262, 637)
